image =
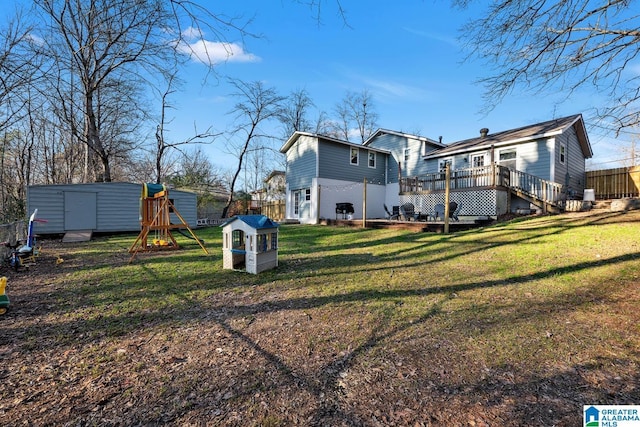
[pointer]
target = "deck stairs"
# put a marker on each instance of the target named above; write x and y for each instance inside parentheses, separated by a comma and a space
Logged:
(548, 195)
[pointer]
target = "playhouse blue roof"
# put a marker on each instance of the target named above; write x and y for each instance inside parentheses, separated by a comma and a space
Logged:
(255, 221)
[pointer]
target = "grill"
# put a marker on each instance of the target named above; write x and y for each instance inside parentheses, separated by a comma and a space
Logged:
(344, 209)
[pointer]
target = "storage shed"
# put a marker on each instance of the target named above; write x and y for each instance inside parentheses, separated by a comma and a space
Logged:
(100, 207)
(250, 242)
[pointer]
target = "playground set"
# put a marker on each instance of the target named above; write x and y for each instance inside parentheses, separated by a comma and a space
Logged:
(155, 222)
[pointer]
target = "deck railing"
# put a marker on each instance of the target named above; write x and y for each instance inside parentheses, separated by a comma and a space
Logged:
(486, 176)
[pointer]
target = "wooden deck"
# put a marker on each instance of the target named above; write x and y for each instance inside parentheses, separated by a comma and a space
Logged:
(418, 226)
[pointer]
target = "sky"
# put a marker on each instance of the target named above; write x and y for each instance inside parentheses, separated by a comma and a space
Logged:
(406, 54)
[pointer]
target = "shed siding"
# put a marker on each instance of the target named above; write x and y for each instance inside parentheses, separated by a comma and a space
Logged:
(301, 163)
(117, 206)
(334, 163)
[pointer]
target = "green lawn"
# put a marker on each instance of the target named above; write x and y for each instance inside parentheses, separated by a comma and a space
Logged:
(516, 324)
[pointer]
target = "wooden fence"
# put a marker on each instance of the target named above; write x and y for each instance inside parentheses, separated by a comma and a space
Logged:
(614, 183)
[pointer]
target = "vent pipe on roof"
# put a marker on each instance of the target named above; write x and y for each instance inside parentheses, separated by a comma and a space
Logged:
(484, 132)
(440, 139)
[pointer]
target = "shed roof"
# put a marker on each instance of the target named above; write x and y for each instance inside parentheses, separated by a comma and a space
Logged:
(254, 221)
(545, 129)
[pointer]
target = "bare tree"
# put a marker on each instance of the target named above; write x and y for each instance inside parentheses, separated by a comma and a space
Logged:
(257, 104)
(295, 112)
(100, 43)
(356, 113)
(162, 145)
(562, 44)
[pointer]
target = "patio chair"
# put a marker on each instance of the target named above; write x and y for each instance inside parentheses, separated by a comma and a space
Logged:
(454, 210)
(408, 212)
(390, 216)
(438, 212)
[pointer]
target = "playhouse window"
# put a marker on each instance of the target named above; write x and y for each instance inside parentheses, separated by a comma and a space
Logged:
(274, 241)
(237, 239)
(262, 243)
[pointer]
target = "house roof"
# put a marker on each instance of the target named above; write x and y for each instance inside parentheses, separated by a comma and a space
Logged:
(513, 136)
(297, 134)
(402, 134)
(274, 174)
(254, 221)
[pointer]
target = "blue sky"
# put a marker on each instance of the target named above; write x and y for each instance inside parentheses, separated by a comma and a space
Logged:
(406, 54)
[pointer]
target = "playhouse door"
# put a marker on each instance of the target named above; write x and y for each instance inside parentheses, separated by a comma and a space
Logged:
(80, 210)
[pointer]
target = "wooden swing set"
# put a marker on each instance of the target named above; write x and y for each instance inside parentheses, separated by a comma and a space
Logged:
(155, 220)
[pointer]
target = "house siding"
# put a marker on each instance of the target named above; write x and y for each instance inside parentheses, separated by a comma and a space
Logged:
(534, 158)
(396, 144)
(572, 172)
(301, 163)
(117, 206)
(334, 163)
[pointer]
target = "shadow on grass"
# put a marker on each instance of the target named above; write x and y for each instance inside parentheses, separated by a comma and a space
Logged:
(201, 298)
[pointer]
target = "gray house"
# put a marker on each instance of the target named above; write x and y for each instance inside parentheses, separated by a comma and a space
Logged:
(538, 166)
(99, 207)
(323, 171)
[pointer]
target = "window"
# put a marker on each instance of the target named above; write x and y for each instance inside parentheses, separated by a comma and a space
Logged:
(372, 159)
(274, 241)
(507, 155)
(307, 194)
(507, 158)
(296, 202)
(442, 164)
(262, 243)
(237, 239)
(477, 160)
(354, 154)
(406, 154)
(563, 153)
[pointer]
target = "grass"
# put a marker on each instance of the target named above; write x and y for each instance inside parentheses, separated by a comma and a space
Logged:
(526, 274)
(518, 306)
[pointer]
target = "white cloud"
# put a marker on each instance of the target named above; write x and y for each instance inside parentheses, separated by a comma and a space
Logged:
(199, 49)
(212, 53)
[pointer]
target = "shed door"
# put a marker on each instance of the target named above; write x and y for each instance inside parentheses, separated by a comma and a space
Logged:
(79, 210)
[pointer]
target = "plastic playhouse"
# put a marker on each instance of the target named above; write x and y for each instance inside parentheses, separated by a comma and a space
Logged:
(250, 243)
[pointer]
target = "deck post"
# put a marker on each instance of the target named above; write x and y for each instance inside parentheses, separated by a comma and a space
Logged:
(364, 204)
(447, 191)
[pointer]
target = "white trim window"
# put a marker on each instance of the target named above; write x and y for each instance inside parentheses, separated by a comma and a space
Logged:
(477, 160)
(442, 164)
(354, 156)
(296, 202)
(563, 153)
(508, 158)
(371, 160)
